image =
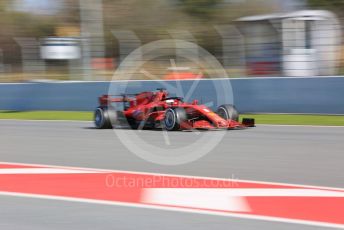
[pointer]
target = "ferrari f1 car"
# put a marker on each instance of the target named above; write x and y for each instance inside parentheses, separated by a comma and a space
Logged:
(151, 110)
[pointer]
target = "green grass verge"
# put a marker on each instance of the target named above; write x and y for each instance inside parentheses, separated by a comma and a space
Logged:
(47, 115)
(280, 119)
(297, 119)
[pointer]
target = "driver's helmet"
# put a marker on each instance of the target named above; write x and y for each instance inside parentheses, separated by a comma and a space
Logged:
(170, 101)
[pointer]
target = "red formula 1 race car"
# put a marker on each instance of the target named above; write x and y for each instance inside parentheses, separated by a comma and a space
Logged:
(157, 110)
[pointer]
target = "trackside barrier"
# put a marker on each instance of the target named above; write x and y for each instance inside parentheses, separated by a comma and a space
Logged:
(251, 95)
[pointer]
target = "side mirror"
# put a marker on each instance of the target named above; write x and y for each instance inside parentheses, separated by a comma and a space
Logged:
(195, 102)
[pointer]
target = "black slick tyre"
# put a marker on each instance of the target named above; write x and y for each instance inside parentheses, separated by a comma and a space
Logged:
(228, 112)
(174, 118)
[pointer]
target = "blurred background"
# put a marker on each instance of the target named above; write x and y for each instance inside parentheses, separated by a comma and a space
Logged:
(87, 40)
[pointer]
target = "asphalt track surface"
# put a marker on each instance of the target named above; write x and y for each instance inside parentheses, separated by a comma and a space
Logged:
(287, 154)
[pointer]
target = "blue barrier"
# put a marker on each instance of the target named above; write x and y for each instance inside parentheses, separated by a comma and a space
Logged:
(250, 95)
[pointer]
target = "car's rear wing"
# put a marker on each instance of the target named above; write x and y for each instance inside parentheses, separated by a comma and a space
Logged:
(107, 99)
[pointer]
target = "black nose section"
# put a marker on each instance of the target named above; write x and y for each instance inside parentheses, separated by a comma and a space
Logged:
(248, 122)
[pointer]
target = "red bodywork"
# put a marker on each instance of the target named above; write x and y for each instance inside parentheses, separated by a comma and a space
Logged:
(150, 107)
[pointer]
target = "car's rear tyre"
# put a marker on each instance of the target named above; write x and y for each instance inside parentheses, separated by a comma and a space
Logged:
(228, 112)
(104, 117)
(174, 118)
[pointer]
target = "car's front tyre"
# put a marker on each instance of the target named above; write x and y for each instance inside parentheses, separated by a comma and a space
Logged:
(174, 118)
(228, 112)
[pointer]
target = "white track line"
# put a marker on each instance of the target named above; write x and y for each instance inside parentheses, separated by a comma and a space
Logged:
(188, 210)
(229, 199)
(175, 175)
(245, 192)
(44, 171)
(185, 210)
(210, 199)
